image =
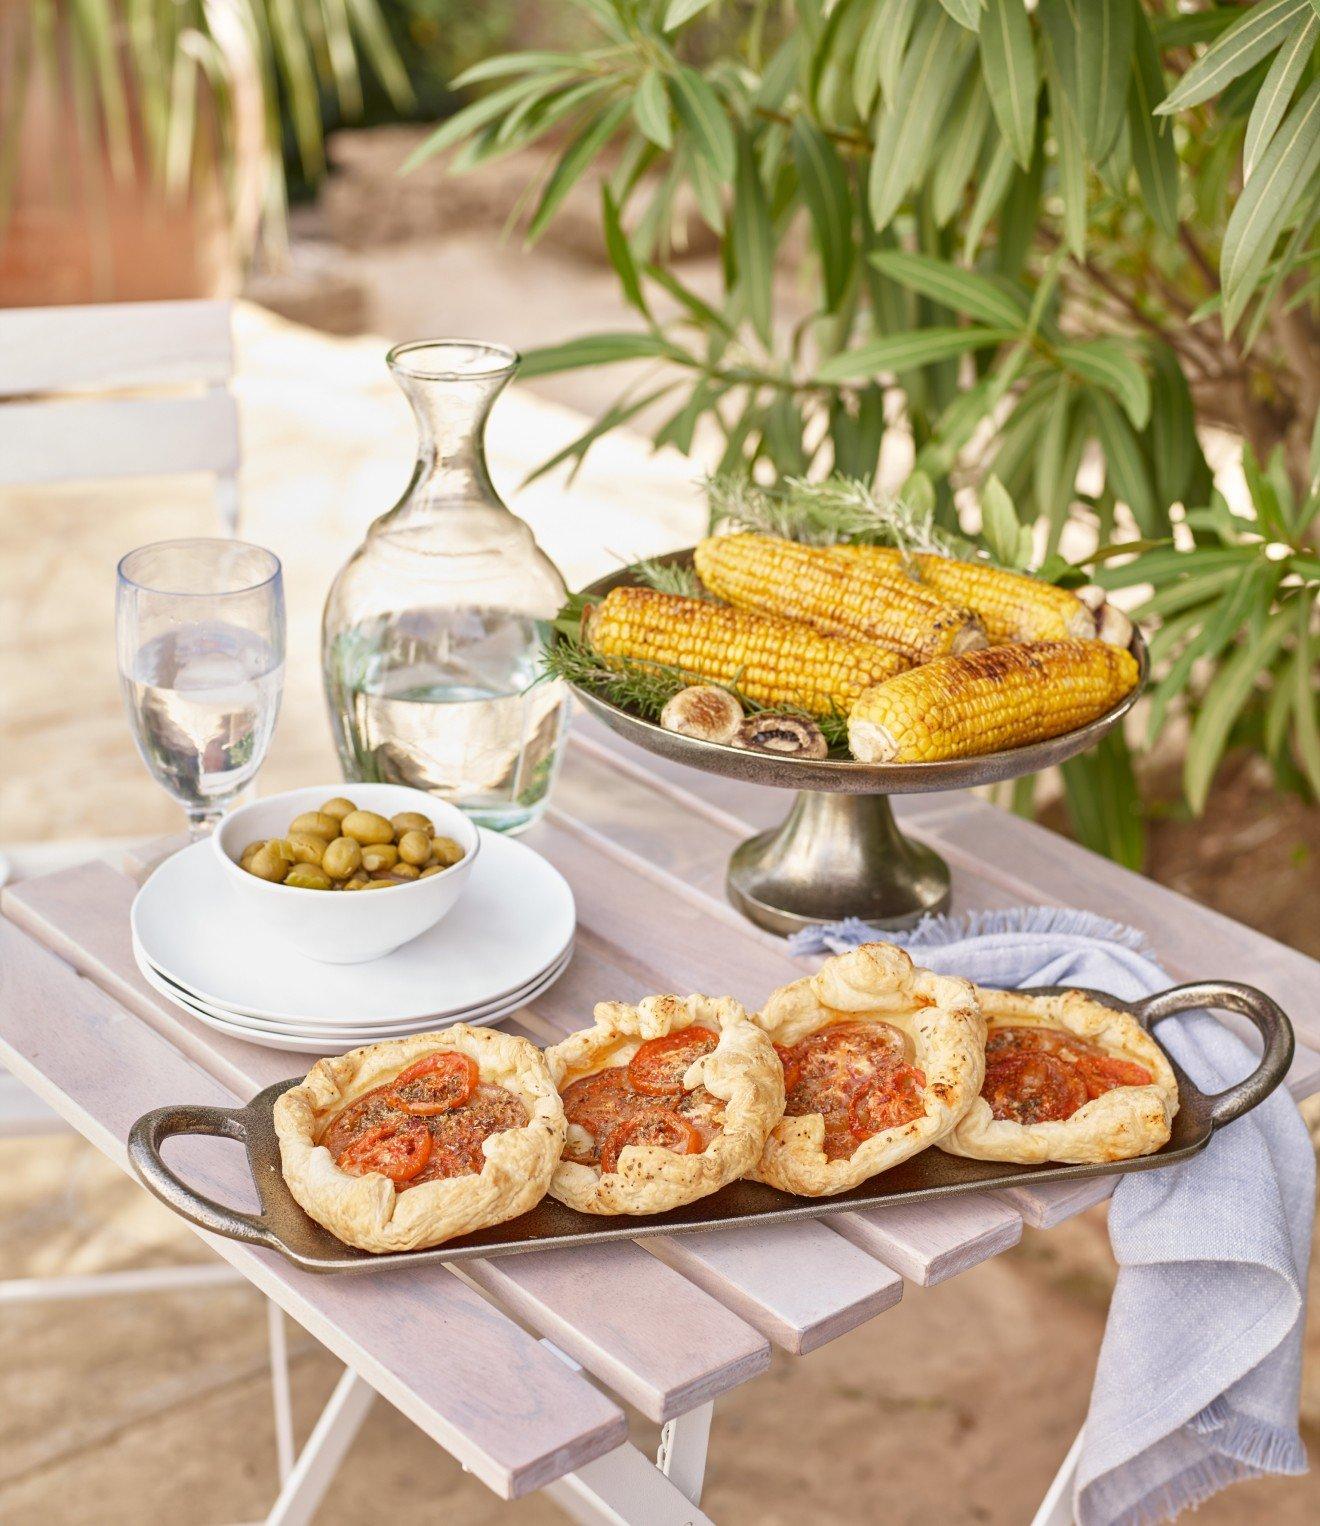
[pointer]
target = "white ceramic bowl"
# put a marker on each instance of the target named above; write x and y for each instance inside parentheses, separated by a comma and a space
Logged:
(345, 929)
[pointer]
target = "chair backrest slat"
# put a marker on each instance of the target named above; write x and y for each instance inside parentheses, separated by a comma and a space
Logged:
(118, 437)
(115, 346)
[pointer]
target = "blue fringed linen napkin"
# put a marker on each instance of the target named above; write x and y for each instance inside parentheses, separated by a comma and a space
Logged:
(1199, 1375)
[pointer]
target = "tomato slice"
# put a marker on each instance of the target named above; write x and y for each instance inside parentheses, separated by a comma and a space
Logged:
(1032, 1088)
(792, 1066)
(891, 1099)
(658, 1067)
(828, 1066)
(1101, 1073)
(457, 1135)
(657, 1126)
(398, 1148)
(436, 1083)
(361, 1115)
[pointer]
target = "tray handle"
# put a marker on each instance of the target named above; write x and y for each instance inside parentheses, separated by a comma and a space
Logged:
(1266, 1016)
(151, 1131)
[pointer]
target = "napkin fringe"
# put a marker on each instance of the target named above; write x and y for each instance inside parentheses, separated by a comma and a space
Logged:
(1280, 1453)
(1258, 1446)
(935, 930)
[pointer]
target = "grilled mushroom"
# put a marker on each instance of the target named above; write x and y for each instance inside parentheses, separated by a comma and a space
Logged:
(1111, 624)
(703, 711)
(787, 736)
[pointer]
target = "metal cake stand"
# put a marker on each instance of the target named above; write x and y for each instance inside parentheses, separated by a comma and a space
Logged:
(839, 852)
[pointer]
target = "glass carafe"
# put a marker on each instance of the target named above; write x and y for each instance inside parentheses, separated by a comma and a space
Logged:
(432, 631)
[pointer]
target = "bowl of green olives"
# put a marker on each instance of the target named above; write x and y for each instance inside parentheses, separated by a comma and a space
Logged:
(303, 863)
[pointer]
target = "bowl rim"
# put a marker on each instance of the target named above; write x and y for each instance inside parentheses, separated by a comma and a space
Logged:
(233, 866)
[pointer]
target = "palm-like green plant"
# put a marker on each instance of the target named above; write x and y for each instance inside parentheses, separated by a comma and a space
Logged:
(142, 76)
(1039, 239)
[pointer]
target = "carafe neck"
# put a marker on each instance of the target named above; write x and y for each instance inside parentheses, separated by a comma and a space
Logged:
(451, 386)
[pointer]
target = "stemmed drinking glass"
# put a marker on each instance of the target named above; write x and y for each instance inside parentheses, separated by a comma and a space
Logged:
(200, 634)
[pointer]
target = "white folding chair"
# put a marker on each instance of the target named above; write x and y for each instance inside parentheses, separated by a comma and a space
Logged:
(134, 389)
(129, 389)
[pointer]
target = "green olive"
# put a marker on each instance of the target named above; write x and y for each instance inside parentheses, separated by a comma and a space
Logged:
(445, 851)
(307, 877)
(367, 827)
(415, 848)
(250, 852)
(317, 823)
(342, 857)
(272, 861)
(338, 808)
(381, 855)
(307, 848)
(411, 821)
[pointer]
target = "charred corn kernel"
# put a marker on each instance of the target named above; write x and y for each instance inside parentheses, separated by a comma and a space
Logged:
(839, 596)
(772, 661)
(1012, 606)
(979, 702)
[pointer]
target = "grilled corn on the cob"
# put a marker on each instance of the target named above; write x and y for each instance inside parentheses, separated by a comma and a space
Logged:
(772, 661)
(840, 596)
(979, 702)
(1012, 606)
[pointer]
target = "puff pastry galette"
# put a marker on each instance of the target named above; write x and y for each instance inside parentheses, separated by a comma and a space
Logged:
(666, 1102)
(1066, 1079)
(880, 1060)
(410, 1142)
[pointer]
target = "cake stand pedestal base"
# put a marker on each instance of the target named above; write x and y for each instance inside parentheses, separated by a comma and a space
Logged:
(835, 856)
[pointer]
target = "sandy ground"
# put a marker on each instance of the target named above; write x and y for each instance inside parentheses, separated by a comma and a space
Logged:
(955, 1407)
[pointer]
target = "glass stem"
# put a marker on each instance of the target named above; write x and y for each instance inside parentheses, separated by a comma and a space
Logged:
(201, 823)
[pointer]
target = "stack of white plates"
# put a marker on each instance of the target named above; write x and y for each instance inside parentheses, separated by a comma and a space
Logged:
(506, 941)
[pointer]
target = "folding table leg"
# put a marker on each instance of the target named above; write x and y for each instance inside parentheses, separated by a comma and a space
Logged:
(319, 1460)
(624, 1488)
(278, 1344)
(1057, 1507)
(682, 1454)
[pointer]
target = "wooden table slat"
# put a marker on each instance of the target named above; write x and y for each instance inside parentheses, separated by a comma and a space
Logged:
(487, 1391)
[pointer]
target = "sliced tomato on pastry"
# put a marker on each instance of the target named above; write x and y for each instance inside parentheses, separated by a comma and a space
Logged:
(436, 1083)
(457, 1135)
(893, 1098)
(1102, 1073)
(598, 1104)
(664, 1127)
(658, 1067)
(1027, 1087)
(366, 1112)
(398, 1148)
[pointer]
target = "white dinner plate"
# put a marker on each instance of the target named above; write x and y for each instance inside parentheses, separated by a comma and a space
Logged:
(513, 921)
(355, 1023)
(339, 1042)
(363, 1033)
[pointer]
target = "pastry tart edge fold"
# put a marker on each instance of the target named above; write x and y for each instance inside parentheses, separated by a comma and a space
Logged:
(941, 1016)
(367, 1211)
(743, 1071)
(1117, 1125)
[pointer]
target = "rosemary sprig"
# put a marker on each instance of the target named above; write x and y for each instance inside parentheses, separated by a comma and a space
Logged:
(647, 687)
(668, 577)
(839, 509)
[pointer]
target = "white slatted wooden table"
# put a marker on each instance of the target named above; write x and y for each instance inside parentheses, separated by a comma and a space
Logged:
(516, 1366)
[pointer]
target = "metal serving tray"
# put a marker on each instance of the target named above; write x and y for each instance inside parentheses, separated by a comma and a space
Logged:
(283, 1226)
